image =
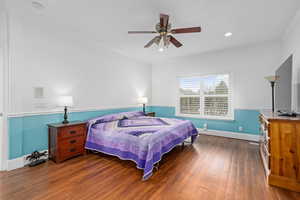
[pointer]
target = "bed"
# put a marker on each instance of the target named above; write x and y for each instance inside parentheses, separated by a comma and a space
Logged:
(136, 137)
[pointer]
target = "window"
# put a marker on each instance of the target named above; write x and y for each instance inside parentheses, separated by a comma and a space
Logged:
(205, 97)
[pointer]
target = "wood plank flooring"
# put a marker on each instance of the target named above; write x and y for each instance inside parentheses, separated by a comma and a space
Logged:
(213, 168)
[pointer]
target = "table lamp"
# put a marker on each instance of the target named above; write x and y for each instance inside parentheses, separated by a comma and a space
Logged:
(143, 100)
(65, 101)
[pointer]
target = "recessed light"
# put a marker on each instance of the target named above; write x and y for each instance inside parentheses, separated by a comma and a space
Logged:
(228, 34)
(37, 5)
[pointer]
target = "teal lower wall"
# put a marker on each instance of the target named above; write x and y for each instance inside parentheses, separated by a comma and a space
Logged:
(30, 133)
(248, 119)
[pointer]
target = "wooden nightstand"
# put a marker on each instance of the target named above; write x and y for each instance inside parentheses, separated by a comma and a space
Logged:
(150, 114)
(66, 140)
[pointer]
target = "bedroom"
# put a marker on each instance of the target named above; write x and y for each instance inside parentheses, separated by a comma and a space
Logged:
(81, 50)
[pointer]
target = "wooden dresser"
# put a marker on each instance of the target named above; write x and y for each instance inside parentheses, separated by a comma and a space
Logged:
(66, 140)
(280, 150)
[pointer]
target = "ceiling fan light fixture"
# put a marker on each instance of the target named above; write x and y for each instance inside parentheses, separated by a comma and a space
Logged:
(228, 34)
(161, 46)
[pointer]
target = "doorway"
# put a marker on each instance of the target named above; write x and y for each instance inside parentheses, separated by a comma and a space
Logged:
(3, 87)
(1, 105)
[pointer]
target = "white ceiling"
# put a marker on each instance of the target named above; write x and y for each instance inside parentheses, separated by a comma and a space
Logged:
(106, 22)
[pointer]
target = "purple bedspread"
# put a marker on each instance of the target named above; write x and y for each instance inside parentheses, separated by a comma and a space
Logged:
(141, 139)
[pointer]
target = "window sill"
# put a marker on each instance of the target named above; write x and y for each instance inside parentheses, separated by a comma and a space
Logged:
(206, 117)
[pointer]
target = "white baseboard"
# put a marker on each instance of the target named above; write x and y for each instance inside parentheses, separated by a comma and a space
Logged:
(19, 162)
(228, 134)
(15, 163)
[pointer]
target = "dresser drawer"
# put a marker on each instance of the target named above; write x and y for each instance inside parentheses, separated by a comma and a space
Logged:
(71, 131)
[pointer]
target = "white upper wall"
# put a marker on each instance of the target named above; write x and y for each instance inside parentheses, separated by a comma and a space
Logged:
(291, 45)
(248, 66)
(43, 56)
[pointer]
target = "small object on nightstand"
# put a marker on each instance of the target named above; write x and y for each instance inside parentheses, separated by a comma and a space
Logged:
(150, 114)
(66, 140)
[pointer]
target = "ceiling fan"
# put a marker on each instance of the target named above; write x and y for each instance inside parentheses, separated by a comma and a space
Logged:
(163, 28)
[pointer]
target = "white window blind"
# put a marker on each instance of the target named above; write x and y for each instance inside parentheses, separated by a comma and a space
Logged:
(190, 96)
(205, 96)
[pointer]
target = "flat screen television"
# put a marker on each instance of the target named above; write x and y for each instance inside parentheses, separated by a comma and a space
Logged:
(283, 86)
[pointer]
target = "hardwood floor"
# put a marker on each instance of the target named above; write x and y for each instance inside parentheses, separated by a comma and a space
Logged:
(213, 168)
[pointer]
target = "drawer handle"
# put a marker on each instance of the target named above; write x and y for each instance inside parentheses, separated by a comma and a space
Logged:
(73, 150)
(73, 141)
(72, 132)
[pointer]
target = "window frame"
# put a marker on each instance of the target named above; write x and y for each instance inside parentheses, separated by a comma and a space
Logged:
(229, 117)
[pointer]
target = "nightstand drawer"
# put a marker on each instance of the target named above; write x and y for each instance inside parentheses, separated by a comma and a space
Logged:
(71, 131)
(71, 147)
(70, 142)
(70, 152)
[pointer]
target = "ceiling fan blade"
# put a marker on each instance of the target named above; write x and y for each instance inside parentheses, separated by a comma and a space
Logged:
(136, 32)
(157, 41)
(164, 20)
(186, 30)
(175, 42)
(154, 40)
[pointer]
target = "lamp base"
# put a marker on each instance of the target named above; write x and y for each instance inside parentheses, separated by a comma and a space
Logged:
(65, 116)
(65, 122)
(144, 108)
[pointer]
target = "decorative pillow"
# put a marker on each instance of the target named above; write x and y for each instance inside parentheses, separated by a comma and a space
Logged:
(134, 114)
(109, 118)
(116, 116)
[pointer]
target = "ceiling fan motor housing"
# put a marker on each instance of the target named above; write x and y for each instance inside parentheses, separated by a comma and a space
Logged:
(163, 30)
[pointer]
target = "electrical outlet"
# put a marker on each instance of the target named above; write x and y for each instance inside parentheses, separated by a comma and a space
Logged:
(241, 128)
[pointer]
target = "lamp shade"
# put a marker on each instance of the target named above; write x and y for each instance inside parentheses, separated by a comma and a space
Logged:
(65, 101)
(142, 100)
(272, 78)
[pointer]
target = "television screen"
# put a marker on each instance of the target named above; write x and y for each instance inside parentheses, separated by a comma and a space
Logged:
(283, 87)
